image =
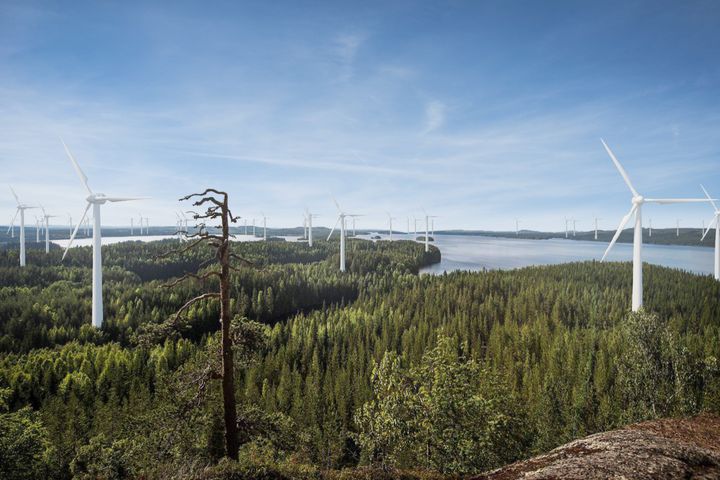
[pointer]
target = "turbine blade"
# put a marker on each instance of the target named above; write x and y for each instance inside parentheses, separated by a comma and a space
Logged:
(624, 222)
(124, 199)
(12, 223)
(709, 198)
(710, 224)
(77, 227)
(76, 166)
(620, 169)
(336, 204)
(14, 194)
(333, 229)
(666, 201)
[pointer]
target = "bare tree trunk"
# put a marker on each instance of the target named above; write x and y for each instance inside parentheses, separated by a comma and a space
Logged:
(232, 444)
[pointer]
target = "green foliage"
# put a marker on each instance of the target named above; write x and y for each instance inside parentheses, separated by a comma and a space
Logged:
(447, 413)
(25, 449)
(454, 373)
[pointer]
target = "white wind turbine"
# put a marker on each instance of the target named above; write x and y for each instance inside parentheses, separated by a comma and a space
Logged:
(264, 226)
(427, 230)
(566, 226)
(596, 226)
(341, 221)
(390, 219)
(677, 227)
(636, 209)
(37, 230)
(20, 209)
(70, 224)
(47, 218)
(716, 221)
(517, 227)
(310, 217)
(94, 200)
(650, 230)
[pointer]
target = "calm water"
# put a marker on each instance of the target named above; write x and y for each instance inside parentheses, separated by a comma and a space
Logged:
(465, 252)
(461, 252)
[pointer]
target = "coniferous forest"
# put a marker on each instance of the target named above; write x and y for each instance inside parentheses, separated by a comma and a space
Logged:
(375, 372)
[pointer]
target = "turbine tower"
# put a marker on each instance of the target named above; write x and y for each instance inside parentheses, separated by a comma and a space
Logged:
(37, 230)
(310, 217)
(677, 227)
(341, 221)
(636, 209)
(94, 200)
(716, 221)
(390, 219)
(264, 226)
(20, 209)
(132, 226)
(427, 228)
(650, 230)
(596, 226)
(517, 227)
(47, 218)
(566, 226)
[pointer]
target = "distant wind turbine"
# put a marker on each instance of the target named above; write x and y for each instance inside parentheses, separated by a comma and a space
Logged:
(716, 221)
(650, 231)
(596, 226)
(20, 210)
(636, 209)
(264, 226)
(677, 227)
(517, 227)
(37, 230)
(47, 218)
(341, 221)
(310, 217)
(94, 200)
(390, 219)
(427, 232)
(566, 226)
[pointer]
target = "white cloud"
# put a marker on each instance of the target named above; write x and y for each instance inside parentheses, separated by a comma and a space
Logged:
(434, 116)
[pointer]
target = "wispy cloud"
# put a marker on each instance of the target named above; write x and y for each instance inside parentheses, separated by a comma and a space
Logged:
(434, 116)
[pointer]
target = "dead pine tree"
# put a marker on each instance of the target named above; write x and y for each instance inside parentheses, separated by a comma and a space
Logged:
(216, 207)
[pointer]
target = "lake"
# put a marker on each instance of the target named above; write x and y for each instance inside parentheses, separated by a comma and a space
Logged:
(468, 252)
(464, 252)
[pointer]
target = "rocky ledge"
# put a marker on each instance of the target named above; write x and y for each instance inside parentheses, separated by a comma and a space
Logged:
(655, 450)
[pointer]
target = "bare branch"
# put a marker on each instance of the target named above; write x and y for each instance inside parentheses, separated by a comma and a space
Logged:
(193, 301)
(188, 276)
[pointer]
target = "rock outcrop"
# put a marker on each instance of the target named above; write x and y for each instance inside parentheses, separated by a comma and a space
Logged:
(661, 449)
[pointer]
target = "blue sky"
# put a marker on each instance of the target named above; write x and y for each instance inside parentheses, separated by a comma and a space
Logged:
(478, 111)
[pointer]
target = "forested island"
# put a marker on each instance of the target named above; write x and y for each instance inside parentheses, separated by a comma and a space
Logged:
(372, 373)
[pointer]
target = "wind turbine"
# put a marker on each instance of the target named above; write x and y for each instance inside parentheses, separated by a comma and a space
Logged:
(636, 209)
(70, 223)
(254, 227)
(21, 207)
(517, 227)
(264, 226)
(566, 226)
(650, 231)
(427, 228)
(47, 218)
(94, 200)
(716, 221)
(141, 222)
(132, 226)
(390, 219)
(310, 217)
(574, 220)
(677, 227)
(147, 225)
(341, 221)
(37, 230)
(596, 226)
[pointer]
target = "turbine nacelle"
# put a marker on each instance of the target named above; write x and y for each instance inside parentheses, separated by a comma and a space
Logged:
(638, 200)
